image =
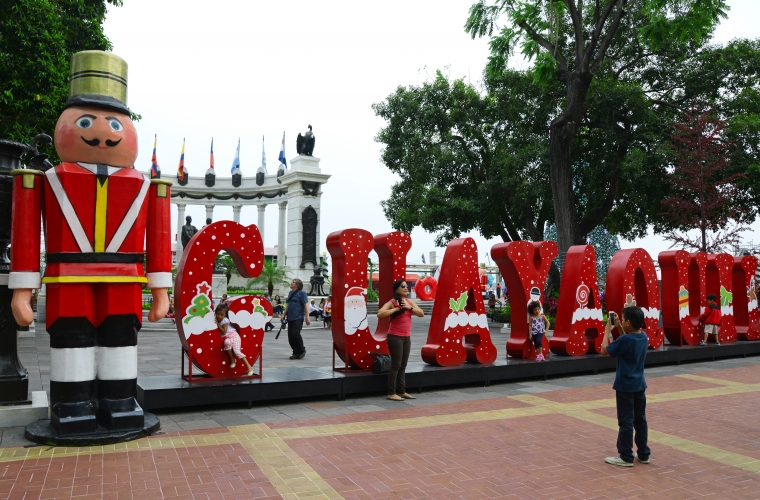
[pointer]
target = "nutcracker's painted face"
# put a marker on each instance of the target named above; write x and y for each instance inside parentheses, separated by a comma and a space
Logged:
(94, 135)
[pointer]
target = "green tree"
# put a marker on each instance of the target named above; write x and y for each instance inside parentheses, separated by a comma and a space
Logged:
(576, 45)
(37, 39)
(271, 275)
(468, 158)
(224, 261)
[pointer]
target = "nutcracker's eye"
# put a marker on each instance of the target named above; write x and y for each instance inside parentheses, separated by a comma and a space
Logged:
(85, 121)
(115, 125)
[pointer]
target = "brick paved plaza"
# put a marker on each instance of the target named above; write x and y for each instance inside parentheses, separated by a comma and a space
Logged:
(534, 439)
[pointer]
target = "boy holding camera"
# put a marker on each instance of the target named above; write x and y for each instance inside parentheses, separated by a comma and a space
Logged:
(630, 350)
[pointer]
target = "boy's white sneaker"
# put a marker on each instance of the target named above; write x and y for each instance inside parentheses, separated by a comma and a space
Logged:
(640, 460)
(618, 461)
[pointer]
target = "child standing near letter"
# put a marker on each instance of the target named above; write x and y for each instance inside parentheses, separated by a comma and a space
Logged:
(712, 318)
(231, 337)
(538, 325)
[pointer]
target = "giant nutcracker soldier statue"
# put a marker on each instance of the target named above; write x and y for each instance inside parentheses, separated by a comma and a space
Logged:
(99, 215)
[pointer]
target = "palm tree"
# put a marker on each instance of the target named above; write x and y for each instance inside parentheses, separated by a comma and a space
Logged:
(224, 261)
(271, 275)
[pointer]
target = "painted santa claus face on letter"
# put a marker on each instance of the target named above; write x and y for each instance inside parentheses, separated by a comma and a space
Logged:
(94, 135)
(355, 310)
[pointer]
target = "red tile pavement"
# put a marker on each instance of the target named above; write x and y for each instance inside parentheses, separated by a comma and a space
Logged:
(551, 456)
(405, 411)
(727, 422)
(225, 471)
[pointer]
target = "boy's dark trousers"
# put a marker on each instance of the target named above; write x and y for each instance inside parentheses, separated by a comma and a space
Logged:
(631, 413)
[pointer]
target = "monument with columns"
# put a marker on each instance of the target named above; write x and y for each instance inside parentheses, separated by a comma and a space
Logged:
(297, 195)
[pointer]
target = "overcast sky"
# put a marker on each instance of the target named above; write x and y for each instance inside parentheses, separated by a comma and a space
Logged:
(230, 69)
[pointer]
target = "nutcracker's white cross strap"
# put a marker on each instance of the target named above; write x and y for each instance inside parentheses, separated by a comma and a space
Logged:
(73, 220)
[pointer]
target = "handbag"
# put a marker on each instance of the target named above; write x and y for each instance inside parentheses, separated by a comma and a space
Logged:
(382, 363)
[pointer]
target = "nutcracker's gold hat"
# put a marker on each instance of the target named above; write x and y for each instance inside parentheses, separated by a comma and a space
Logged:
(98, 79)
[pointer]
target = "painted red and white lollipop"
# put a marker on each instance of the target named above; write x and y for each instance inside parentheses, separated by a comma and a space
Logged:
(581, 295)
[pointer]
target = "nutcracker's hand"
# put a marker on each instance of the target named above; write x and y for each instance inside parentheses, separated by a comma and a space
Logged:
(160, 304)
(22, 307)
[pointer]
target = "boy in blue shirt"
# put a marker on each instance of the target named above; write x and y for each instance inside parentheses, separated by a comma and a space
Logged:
(630, 350)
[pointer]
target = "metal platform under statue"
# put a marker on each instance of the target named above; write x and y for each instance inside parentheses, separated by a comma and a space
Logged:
(283, 384)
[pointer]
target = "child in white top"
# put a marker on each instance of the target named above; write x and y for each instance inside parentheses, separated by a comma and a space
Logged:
(231, 337)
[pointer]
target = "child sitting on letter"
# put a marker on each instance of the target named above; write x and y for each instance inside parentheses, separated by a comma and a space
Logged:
(231, 337)
(712, 318)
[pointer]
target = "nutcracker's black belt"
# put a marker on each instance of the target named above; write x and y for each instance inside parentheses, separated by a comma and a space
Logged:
(95, 258)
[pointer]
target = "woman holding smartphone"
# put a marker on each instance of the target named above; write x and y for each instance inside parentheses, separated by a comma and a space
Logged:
(400, 310)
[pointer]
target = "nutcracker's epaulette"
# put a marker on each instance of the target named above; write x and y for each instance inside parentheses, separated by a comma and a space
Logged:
(27, 181)
(26, 171)
(161, 186)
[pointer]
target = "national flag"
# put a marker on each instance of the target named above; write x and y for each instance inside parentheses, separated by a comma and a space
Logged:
(181, 168)
(282, 151)
(263, 155)
(236, 161)
(212, 152)
(155, 172)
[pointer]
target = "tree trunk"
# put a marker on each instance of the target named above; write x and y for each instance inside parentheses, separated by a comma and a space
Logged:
(561, 133)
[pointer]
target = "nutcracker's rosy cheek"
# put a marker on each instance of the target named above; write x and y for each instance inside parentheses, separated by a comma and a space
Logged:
(64, 137)
(130, 138)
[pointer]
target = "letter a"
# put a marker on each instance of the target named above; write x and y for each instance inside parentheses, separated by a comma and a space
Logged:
(579, 326)
(459, 327)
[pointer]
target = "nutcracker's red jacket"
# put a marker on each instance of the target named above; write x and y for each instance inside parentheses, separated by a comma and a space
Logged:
(100, 224)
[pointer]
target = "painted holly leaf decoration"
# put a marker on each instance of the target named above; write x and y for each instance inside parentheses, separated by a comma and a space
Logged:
(726, 297)
(460, 304)
(258, 308)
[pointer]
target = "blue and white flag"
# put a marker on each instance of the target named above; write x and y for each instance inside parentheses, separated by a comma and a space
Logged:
(236, 161)
(263, 155)
(282, 151)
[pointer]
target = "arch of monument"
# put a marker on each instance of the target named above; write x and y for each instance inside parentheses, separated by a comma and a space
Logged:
(297, 193)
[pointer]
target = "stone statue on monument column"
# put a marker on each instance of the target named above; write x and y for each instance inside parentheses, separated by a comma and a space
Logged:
(188, 231)
(305, 143)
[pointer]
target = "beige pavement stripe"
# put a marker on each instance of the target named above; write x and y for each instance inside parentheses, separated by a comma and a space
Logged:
(712, 380)
(286, 470)
(45, 452)
(686, 445)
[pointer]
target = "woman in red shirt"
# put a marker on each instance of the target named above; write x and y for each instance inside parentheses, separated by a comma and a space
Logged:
(400, 310)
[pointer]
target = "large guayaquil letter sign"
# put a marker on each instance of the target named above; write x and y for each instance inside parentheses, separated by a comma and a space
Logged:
(349, 250)
(192, 297)
(524, 266)
(683, 295)
(718, 275)
(458, 326)
(632, 281)
(746, 314)
(579, 326)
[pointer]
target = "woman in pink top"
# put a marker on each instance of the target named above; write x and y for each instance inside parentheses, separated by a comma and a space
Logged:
(400, 310)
